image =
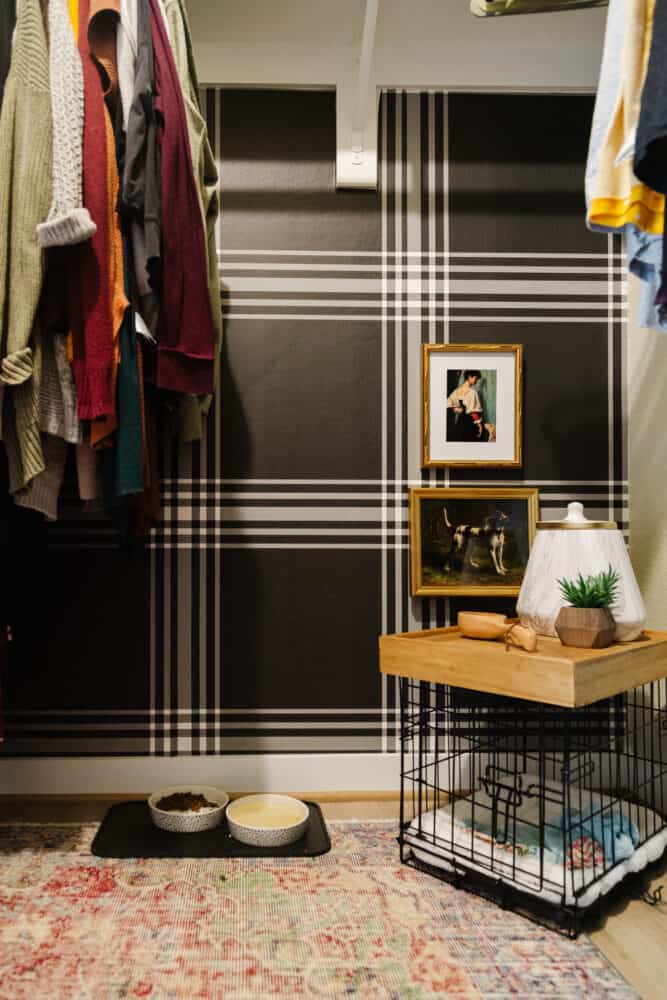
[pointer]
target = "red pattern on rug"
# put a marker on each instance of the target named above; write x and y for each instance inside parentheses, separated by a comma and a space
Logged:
(354, 923)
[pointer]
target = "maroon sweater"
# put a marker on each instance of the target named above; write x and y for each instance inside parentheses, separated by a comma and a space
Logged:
(186, 334)
(89, 276)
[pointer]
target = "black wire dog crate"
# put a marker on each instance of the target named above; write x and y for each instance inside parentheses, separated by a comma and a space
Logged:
(543, 809)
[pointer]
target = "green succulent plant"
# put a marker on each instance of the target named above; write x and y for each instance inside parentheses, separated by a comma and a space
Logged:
(598, 590)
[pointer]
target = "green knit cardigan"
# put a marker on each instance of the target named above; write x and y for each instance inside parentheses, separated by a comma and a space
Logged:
(25, 199)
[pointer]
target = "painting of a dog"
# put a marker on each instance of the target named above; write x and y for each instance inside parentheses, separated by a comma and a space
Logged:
(490, 533)
(471, 541)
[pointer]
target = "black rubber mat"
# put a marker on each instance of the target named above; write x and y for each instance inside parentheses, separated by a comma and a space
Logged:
(127, 831)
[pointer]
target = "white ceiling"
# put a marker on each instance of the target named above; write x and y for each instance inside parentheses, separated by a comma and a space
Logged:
(419, 44)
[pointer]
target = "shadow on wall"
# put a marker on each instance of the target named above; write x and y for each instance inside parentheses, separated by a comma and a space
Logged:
(233, 424)
(237, 439)
(576, 423)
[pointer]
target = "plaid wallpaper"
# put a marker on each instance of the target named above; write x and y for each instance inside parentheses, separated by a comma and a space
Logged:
(249, 624)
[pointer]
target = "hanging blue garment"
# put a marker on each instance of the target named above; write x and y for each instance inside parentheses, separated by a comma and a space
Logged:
(645, 260)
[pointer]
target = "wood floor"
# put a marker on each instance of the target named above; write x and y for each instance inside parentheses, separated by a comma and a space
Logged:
(633, 935)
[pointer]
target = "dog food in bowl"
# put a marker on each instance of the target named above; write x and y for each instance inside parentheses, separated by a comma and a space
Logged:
(184, 802)
(267, 820)
(188, 808)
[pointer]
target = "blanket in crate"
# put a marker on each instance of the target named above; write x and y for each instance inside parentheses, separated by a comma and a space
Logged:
(520, 832)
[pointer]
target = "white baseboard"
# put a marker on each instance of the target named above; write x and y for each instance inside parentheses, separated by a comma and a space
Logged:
(257, 772)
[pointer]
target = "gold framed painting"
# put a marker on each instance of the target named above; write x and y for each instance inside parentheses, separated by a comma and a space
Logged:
(470, 542)
(472, 405)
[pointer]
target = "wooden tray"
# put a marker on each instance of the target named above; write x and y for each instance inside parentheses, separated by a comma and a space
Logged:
(555, 674)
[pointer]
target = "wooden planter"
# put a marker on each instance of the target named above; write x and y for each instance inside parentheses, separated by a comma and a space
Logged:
(588, 628)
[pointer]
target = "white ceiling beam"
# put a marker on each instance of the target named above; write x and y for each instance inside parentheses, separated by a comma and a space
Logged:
(357, 115)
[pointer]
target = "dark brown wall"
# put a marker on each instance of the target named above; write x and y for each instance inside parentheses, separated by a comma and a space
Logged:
(250, 623)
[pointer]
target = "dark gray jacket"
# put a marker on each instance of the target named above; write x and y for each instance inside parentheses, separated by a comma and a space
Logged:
(141, 196)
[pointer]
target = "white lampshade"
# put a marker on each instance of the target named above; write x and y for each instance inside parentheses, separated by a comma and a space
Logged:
(566, 549)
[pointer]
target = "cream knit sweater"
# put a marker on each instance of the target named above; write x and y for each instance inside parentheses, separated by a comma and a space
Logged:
(69, 221)
(25, 196)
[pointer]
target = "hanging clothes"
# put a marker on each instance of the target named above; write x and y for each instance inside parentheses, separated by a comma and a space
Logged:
(89, 272)
(69, 221)
(617, 197)
(7, 22)
(102, 31)
(193, 409)
(57, 391)
(500, 8)
(88, 472)
(57, 394)
(58, 403)
(43, 492)
(142, 182)
(645, 260)
(25, 197)
(650, 163)
(101, 429)
(123, 464)
(186, 332)
(609, 85)
(105, 161)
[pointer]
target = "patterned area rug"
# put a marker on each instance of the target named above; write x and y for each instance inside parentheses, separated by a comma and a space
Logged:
(354, 923)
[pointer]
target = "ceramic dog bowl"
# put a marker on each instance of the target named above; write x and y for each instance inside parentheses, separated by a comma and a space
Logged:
(189, 821)
(267, 820)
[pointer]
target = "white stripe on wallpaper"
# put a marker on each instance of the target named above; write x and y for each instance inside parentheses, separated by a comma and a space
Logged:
(152, 657)
(531, 255)
(395, 289)
(209, 495)
(121, 712)
(384, 413)
(431, 311)
(406, 482)
(366, 318)
(418, 267)
(300, 515)
(413, 286)
(186, 725)
(279, 772)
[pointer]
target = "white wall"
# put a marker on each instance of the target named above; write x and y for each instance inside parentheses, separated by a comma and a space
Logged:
(420, 43)
(647, 462)
(438, 44)
(297, 773)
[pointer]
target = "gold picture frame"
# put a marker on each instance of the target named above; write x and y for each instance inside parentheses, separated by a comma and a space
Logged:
(510, 441)
(454, 551)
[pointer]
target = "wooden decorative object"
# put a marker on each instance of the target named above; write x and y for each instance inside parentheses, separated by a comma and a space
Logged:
(556, 674)
(485, 625)
(587, 628)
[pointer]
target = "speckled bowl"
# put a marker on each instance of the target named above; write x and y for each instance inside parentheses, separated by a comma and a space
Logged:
(189, 822)
(267, 836)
